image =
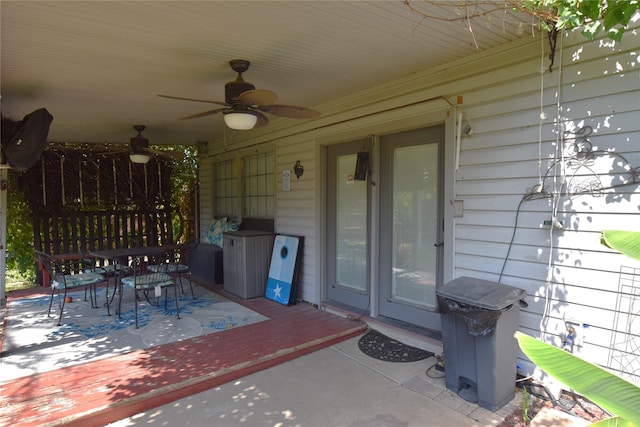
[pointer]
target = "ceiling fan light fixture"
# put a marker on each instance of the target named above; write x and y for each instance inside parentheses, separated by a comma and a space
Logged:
(244, 104)
(241, 120)
(139, 158)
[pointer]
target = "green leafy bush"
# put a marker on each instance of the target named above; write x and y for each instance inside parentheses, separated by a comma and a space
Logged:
(593, 16)
(612, 393)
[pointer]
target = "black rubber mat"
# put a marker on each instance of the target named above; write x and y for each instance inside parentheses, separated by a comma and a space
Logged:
(381, 347)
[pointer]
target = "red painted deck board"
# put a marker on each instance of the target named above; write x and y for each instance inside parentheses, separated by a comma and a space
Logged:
(103, 391)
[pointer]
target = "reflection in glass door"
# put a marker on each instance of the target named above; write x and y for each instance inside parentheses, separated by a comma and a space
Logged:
(348, 225)
(410, 235)
(351, 226)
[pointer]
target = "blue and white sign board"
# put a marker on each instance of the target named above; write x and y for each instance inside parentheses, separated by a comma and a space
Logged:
(281, 283)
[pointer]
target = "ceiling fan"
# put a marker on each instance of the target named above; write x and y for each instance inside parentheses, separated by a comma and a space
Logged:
(139, 151)
(244, 104)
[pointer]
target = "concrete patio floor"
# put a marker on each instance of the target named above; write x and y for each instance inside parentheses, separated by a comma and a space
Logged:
(335, 386)
(332, 385)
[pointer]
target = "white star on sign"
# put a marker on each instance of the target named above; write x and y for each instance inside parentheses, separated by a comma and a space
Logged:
(276, 291)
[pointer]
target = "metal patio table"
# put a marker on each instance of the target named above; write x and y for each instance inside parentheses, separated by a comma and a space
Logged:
(120, 258)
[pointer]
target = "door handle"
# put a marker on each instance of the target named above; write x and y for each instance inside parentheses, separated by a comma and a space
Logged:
(438, 244)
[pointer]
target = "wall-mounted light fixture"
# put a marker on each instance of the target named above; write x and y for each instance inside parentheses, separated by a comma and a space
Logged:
(362, 166)
(467, 129)
(298, 169)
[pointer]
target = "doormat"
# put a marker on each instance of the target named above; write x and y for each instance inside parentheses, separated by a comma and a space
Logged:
(379, 346)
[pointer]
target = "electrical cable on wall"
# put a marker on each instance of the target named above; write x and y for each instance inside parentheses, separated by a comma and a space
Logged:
(513, 236)
(572, 171)
(539, 189)
(543, 115)
(558, 182)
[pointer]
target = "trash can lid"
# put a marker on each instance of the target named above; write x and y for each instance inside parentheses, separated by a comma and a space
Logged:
(481, 293)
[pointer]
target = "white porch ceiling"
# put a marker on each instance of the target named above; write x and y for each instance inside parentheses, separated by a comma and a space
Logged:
(98, 66)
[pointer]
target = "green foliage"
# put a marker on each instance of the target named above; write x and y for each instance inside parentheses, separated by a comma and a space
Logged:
(184, 171)
(625, 242)
(525, 404)
(593, 16)
(611, 392)
(20, 257)
(184, 175)
(613, 422)
(614, 394)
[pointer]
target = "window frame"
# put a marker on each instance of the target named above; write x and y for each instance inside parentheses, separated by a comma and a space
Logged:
(259, 185)
(248, 188)
(226, 195)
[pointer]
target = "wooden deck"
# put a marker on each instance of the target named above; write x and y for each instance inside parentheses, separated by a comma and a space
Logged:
(100, 392)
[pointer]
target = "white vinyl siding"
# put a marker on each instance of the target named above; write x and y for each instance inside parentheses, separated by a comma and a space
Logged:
(568, 274)
(297, 209)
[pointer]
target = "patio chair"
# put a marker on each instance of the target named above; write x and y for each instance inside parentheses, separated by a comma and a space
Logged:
(113, 269)
(148, 284)
(177, 264)
(70, 274)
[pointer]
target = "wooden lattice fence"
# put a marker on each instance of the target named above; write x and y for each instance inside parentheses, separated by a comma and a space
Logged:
(88, 197)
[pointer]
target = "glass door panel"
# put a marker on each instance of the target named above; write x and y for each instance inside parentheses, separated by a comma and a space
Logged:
(411, 226)
(414, 225)
(351, 226)
(347, 215)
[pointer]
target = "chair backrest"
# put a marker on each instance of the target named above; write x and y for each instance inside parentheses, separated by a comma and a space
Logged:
(185, 251)
(144, 276)
(138, 265)
(178, 254)
(51, 265)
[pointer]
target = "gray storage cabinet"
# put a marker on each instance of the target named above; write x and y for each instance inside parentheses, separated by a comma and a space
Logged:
(246, 259)
(479, 319)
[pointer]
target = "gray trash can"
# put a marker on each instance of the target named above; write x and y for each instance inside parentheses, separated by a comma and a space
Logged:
(479, 319)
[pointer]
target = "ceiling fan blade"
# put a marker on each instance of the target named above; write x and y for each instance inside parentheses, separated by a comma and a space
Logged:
(179, 98)
(203, 114)
(289, 111)
(262, 119)
(167, 154)
(258, 97)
